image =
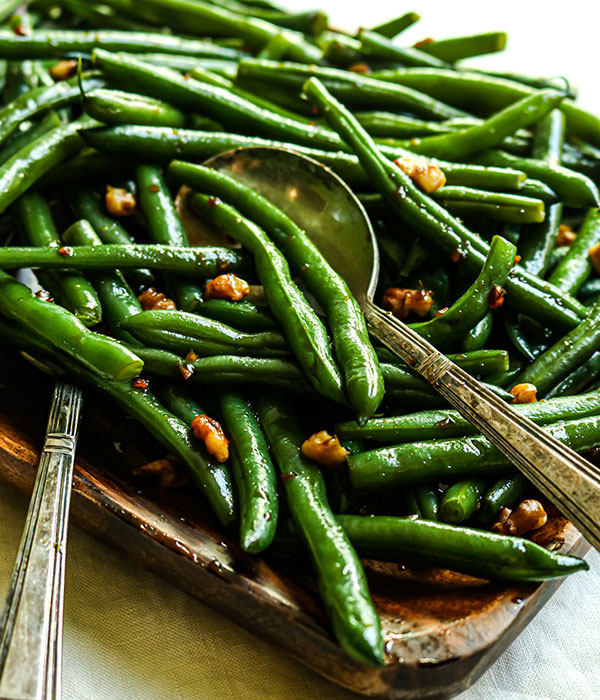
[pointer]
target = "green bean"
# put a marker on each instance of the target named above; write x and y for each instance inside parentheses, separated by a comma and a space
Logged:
(392, 28)
(253, 471)
(411, 504)
(220, 104)
(71, 288)
(377, 45)
(358, 362)
(578, 379)
(342, 582)
(197, 17)
(339, 49)
(537, 243)
(18, 141)
(431, 425)
(573, 270)
(117, 107)
(303, 329)
(478, 336)
(199, 262)
(565, 355)
(150, 327)
(390, 125)
(574, 189)
(428, 499)
(460, 501)
(461, 145)
(48, 43)
(504, 493)
(164, 144)
(184, 64)
(356, 89)
(468, 457)
(501, 207)
(590, 290)
(88, 205)
(64, 331)
(538, 189)
(35, 159)
(459, 48)
(474, 304)
(117, 299)
(165, 227)
(7, 7)
(466, 550)
(243, 315)
(426, 217)
(490, 94)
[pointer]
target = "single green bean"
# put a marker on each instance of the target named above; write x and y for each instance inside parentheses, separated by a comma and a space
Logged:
(460, 501)
(584, 375)
(379, 46)
(243, 315)
(461, 47)
(428, 498)
(118, 107)
(393, 27)
(573, 270)
(512, 208)
(504, 493)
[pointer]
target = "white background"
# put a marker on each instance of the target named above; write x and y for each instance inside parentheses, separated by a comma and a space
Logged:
(130, 636)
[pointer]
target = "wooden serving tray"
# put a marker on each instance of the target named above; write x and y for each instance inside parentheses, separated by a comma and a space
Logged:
(442, 630)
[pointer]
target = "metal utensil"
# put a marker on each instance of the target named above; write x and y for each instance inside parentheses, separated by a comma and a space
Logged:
(320, 203)
(31, 636)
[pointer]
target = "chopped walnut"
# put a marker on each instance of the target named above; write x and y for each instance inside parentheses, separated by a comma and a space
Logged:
(227, 286)
(152, 299)
(524, 393)
(164, 470)
(594, 253)
(361, 68)
(428, 176)
(325, 449)
(63, 70)
(565, 235)
(191, 356)
(210, 432)
(119, 202)
(186, 371)
(530, 515)
(496, 297)
(402, 301)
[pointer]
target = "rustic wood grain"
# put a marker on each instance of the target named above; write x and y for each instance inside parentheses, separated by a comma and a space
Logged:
(442, 630)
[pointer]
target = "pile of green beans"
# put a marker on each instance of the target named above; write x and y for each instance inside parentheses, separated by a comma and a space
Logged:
(468, 179)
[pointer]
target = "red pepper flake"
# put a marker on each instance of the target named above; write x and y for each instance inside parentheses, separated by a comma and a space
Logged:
(213, 202)
(187, 76)
(441, 312)
(496, 297)
(44, 295)
(154, 189)
(423, 42)
(517, 259)
(20, 30)
(457, 255)
(360, 68)
(191, 356)
(315, 110)
(65, 251)
(141, 384)
(288, 476)
(186, 371)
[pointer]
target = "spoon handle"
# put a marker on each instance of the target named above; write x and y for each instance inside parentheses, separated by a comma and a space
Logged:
(568, 480)
(31, 626)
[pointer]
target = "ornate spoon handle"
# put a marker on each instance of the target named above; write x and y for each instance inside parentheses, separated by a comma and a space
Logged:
(31, 636)
(568, 480)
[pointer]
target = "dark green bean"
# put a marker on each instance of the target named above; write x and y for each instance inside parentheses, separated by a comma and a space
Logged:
(117, 107)
(37, 129)
(478, 336)
(466, 550)
(460, 501)
(461, 47)
(428, 498)
(303, 329)
(165, 227)
(393, 27)
(379, 46)
(573, 270)
(581, 377)
(253, 471)
(504, 493)
(342, 581)
(243, 315)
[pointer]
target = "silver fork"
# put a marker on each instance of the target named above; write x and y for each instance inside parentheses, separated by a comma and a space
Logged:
(31, 625)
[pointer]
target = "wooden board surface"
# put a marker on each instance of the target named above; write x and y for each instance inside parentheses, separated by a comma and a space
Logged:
(442, 630)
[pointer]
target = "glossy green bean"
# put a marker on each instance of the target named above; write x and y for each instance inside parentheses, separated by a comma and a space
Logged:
(478, 336)
(504, 493)
(118, 107)
(431, 425)
(393, 27)
(466, 550)
(461, 47)
(342, 582)
(302, 328)
(428, 498)
(511, 208)
(20, 139)
(573, 270)
(577, 380)
(379, 46)
(253, 471)
(165, 227)
(468, 457)
(354, 352)
(460, 501)
(243, 315)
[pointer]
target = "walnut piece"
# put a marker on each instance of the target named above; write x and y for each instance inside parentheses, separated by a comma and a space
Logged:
(227, 286)
(428, 176)
(402, 301)
(530, 515)
(325, 449)
(210, 432)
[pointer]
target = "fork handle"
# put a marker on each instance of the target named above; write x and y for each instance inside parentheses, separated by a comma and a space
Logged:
(31, 625)
(568, 480)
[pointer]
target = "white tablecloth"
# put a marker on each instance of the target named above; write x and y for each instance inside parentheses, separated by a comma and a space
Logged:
(130, 636)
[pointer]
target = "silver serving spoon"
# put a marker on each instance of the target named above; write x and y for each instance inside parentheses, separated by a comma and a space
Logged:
(32, 622)
(320, 203)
